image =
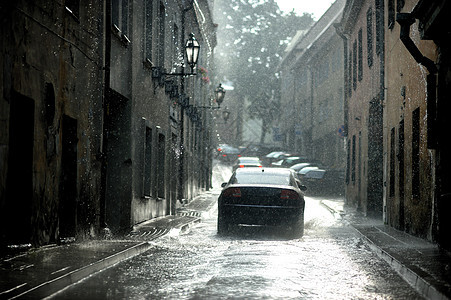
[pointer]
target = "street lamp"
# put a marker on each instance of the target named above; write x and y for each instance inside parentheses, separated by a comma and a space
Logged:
(192, 51)
(219, 97)
(226, 114)
(219, 94)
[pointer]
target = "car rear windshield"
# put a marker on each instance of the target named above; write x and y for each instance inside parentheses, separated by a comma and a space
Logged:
(261, 178)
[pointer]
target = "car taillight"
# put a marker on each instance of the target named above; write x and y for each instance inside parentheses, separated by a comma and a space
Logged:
(260, 166)
(239, 155)
(288, 194)
(224, 155)
(232, 192)
(241, 166)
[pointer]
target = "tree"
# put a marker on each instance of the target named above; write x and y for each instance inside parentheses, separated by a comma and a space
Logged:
(252, 37)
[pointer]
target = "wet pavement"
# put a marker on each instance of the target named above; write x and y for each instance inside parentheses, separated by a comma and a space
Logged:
(38, 273)
(422, 264)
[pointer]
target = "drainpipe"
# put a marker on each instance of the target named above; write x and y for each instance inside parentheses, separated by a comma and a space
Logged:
(406, 20)
(105, 99)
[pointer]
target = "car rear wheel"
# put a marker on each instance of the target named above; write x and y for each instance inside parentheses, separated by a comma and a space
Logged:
(298, 228)
(223, 226)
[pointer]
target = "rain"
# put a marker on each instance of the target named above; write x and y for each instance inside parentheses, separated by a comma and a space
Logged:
(239, 149)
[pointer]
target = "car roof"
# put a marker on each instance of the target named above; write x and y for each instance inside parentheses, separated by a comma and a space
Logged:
(281, 171)
(248, 158)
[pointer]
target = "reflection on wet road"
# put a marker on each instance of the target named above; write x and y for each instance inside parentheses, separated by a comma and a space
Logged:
(329, 262)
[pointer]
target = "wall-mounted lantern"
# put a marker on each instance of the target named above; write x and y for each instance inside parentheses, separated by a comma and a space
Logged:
(192, 49)
(219, 98)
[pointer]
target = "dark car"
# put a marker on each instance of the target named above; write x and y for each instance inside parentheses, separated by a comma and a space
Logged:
(228, 154)
(264, 197)
(298, 167)
(269, 158)
(246, 162)
(324, 182)
(288, 161)
(292, 160)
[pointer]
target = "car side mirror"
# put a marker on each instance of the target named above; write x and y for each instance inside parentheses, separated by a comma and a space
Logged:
(223, 184)
(302, 187)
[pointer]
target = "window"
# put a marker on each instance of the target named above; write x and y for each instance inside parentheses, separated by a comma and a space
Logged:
(360, 62)
(147, 163)
(359, 166)
(416, 154)
(348, 165)
(161, 165)
(353, 159)
(148, 29)
(391, 14)
(124, 17)
(161, 34)
(49, 104)
(401, 173)
(401, 160)
(261, 178)
(379, 26)
(176, 59)
(119, 15)
(369, 35)
(350, 73)
(392, 163)
(354, 65)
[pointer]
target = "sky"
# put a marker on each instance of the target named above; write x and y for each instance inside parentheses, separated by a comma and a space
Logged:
(315, 7)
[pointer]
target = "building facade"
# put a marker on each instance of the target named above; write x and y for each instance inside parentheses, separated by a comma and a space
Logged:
(408, 203)
(416, 195)
(395, 90)
(311, 94)
(51, 120)
(362, 30)
(100, 126)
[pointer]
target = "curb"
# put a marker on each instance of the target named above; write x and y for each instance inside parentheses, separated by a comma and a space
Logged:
(423, 287)
(142, 235)
(55, 285)
(416, 281)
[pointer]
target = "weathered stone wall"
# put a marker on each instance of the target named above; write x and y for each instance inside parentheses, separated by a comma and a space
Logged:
(54, 57)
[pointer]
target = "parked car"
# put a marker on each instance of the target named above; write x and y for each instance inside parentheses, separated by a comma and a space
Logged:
(292, 160)
(263, 197)
(324, 182)
(228, 154)
(298, 167)
(277, 164)
(269, 158)
(246, 162)
(219, 149)
(274, 154)
(301, 172)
